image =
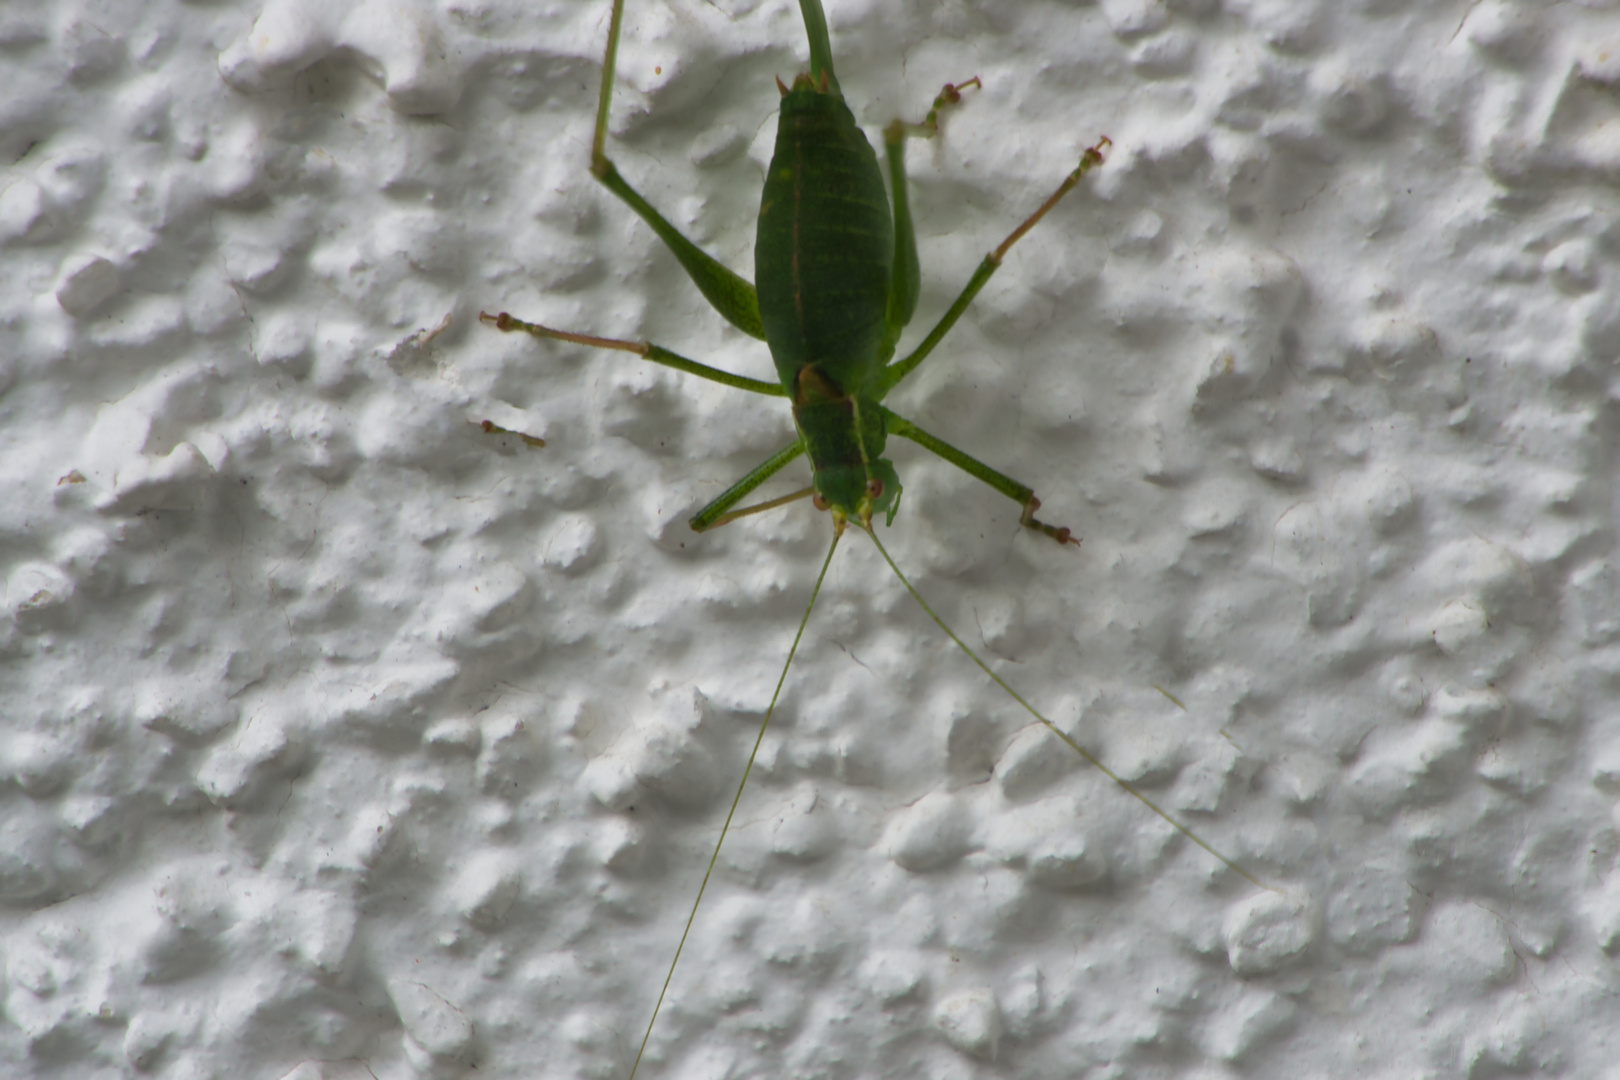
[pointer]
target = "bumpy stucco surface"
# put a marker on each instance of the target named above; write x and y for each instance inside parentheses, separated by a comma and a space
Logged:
(340, 739)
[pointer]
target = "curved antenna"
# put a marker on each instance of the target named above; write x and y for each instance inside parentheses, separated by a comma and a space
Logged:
(1054, 729)
(714, 858)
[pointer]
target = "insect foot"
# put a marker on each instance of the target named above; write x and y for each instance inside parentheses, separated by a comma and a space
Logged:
(1060, 533)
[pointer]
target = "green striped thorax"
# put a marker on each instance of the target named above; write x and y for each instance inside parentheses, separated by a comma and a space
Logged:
(823, 261)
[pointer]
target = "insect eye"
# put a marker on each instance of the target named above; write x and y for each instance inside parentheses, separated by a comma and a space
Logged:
(818, 502)
(874, 488)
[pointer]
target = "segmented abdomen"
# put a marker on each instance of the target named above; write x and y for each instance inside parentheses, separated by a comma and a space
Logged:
(825, 245)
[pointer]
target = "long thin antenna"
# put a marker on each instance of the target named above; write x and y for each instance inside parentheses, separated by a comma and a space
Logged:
(1082, 751)
(736, 799)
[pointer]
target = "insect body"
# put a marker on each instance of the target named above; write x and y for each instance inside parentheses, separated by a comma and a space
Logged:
(837, 283)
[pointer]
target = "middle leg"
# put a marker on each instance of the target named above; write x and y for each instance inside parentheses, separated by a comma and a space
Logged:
(906, 279)
(992, 262)
(1022, 494)
(644, 349)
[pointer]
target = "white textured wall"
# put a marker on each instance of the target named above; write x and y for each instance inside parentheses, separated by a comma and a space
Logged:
(343, 740)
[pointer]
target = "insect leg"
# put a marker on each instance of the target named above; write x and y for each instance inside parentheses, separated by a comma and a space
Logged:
(719, 511)
(815, 28)
(646, 350)
(730, 294)
(992, 262)
(1022, 494)
(907, 276)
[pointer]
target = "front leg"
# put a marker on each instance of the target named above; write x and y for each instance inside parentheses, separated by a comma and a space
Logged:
(1019, 493)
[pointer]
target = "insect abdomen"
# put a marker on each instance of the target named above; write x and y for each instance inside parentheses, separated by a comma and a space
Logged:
(825, 245)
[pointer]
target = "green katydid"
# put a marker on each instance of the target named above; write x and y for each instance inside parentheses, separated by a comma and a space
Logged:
(837, 281)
